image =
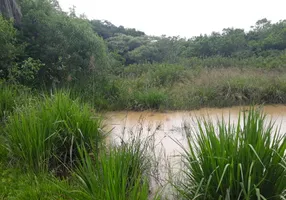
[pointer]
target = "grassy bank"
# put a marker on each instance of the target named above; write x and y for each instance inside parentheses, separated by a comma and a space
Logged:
(175, 87)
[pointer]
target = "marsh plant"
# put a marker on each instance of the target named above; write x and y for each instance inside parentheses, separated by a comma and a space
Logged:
(43, 136)
(242, 161)
(120, 171)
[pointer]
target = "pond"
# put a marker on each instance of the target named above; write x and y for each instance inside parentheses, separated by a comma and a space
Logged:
(168, 125)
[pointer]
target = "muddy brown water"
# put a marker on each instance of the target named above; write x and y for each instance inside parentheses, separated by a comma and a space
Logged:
(167, 126)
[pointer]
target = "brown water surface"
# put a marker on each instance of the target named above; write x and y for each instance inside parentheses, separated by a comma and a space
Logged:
(168, 125)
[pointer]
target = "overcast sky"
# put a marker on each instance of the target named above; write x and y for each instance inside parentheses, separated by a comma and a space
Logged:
(185, 18)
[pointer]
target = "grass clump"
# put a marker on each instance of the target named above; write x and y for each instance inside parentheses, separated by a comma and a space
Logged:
(43, 136)
(242, 161)
(121, 172)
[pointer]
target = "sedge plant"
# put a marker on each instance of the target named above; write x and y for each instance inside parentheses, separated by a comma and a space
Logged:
(43, 135)
(119, 172)
(238, 161)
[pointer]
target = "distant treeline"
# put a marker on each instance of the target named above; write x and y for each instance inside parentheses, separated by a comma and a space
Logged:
(264, 39)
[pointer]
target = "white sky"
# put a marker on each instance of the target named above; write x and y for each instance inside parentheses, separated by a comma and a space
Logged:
(185, 18)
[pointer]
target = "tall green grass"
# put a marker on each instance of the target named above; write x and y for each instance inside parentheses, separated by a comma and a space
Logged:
(43, 136)
(242, 161)
(10, 96)
(120, 172)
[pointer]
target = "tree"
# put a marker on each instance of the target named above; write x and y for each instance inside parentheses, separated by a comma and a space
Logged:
(66, 45)
(10, 48)
(107, 30)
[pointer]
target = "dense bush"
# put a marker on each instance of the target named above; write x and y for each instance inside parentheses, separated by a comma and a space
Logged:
(10, 48)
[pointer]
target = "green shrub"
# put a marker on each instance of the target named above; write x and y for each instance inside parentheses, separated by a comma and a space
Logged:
(242, 161)
(43, 136)
(25, 72)
(10, 47)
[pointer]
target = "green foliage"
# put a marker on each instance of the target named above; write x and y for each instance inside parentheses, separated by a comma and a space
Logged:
(242, 161)
(106, 29)
(26, 72)
(9, 46)
(43, 136)
(145, 53)
(264, 37)
(120, 172)
(67, 46)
